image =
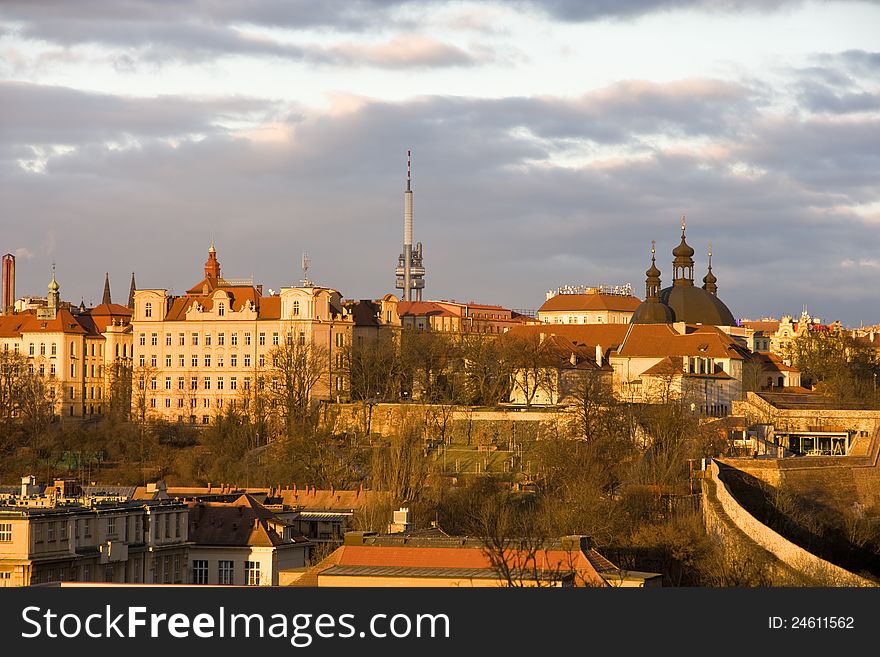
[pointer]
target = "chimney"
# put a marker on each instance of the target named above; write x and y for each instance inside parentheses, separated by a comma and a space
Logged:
(573, 359)
(7, 302)
(28, 485)
(600, 353)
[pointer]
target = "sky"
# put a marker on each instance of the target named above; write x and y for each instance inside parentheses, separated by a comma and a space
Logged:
(552, 141)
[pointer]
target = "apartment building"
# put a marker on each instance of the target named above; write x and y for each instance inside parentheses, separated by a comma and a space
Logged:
(199, 352)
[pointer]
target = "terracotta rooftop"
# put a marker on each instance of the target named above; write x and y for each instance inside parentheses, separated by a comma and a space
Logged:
(647, 340)
(580, 302)
(589, 335)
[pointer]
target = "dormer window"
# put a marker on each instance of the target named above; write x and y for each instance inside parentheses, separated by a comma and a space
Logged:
(221, 309)
(148, 309)
(296, 308)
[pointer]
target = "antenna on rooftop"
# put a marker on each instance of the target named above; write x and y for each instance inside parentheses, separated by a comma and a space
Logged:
(306, 264)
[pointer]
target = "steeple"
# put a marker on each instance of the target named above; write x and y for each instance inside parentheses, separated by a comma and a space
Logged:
(709, 280)
(131, 291)
(652, 282)
(54, 294)
(106, 298)
(683, 265)
(212, 266)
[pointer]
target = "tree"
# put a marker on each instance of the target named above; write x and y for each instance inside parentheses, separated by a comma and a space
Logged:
(374, 368)
(297, 367)
(425, 357)
(534, 365)
(488, 368)
(401, 466)
(26, 401)
(837, 364)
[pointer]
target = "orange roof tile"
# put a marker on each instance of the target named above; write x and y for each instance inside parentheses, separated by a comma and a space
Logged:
(578, 302)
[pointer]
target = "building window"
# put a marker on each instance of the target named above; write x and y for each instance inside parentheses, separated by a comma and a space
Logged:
(195, 339)
(141, 361)
(221, 339)
(153, 383)
(154, 341)
(302, 337)
(42, 349)
(167, 383)
(54, 349)
(181, 360)
(221, 309)
(247, 383)
(148, 309)
(296, 308)
(5, 532)
(38, 533)
(195, 361)
(274, 339)
(225, 572)
(207, 383)
(233, 339)
(247, 360)
(181, 339)
(340, 341)
(206, 419)
(111, 526)
(233, 360)
(262, 360)
(194, 383)
(219, 383)
(153, 362)
(207, 360)
(153, 402)
(247, 339)
(262, 339)
(200, 571)
(167, 339)
(180, 384)
(142, 339)
(207, 339)
(219, 361)
(167, 361)
(252, 573)
(233, 383)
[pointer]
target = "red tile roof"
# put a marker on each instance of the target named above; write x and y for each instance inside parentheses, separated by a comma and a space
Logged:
(14, 326)
(580, 302)
(590, 335)
(647, 340)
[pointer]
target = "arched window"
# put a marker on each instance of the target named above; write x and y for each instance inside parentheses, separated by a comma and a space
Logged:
(148, 310)
(296, 308)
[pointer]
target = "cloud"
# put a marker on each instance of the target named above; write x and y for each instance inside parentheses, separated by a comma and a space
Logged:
(41, 114)
(401, 52)
(502, 212)
(23, 253)
(592, 10)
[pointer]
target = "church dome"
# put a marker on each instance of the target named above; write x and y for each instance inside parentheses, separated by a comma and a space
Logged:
(652, 312)
(695, 305)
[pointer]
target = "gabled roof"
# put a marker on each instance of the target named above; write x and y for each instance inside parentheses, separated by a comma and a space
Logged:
(581, 302)
(244, 522)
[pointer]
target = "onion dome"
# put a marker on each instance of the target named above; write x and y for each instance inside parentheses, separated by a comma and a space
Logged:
(709, 280)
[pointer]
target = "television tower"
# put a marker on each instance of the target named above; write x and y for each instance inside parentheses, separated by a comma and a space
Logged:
(410, 271)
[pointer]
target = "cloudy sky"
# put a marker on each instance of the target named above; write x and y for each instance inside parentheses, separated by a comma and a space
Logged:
(552, 141)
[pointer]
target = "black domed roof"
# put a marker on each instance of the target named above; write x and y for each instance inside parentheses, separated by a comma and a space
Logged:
(695, 305)
(652, 312)
(683, 250)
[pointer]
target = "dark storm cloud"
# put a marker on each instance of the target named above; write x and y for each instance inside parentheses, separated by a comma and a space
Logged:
(500, 221)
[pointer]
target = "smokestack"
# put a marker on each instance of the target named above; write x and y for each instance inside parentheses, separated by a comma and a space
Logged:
(407, 230)
(599, 354)
(7, 303)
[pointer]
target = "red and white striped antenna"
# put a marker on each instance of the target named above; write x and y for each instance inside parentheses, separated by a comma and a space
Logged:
(408, 169)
